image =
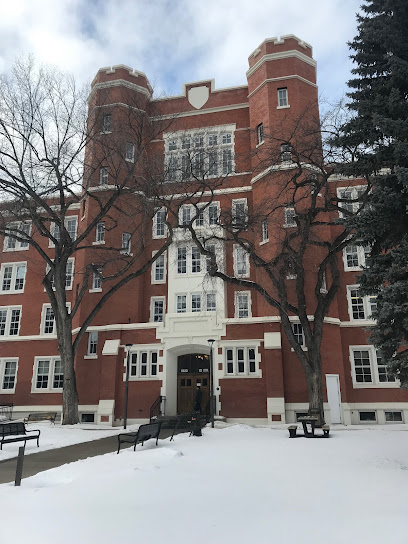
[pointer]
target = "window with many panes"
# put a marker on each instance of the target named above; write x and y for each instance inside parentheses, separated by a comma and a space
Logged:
(159, 269)
(290, 214)
(97, 279)
(354, 257)
(48, 374)
(196, 302)
(242, 304)
(70, 224)
(10, 320)
(368, 369)
(264, 228)
(241, 262)
(199, 154)
(213, 213)
(240, 213)
(181, 260)
(181, 304)
(240, 361)
(283, 97)
(195, 260)
(103, 175)
(15, 240)
(100, 233)
(107, 123)
(159, 224)
(298, 333)
(130, 152)
(92, 343)
(12, 277)
(157, 309)
(143, 364)
(8, 374)
(211, 302)
(126, 242)
(286, 153)
(48, 320)
(350, 199)
(360, 307)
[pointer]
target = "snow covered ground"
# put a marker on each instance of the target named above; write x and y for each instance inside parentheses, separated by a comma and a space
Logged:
(234, 485)
(58, 436)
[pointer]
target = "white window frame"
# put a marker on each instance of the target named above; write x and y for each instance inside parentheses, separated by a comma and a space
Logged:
(260, 134)
(153, 314)
(286, 154)
(185, 215)
(103, 175)
(290, 214)
(181, 263)
(151, 361)
(14, 267)
(100, 231)
(360, 252)
(96, 275)
(107, 123)
(375, 375)
(193, 304)
(264, 231)
(180, 296)
(55, 228)
(237, 296)
(126, 244)
(3, 363)
(212, 307)
(43, 316)
(130, 152)
(18, 244)
(162, 259)
(92, 351)
(283, 98)
(8, 322)
(51, 374)
(241, 262)
(299, 334)
(196, 260)
(236, 205)
(367, 302)
(239, 371)
(160, 224)
(69, 273)
(213, 205)
(355, 191)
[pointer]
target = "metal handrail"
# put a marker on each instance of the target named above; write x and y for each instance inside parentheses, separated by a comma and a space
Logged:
(157, 408)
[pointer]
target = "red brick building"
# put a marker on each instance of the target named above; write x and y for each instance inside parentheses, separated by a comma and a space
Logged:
(169, 314)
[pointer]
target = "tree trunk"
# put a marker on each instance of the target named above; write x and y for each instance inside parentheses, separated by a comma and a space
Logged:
(69, 393)
(315, 392)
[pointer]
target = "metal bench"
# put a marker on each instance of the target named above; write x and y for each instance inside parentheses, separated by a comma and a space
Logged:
(192, 421)
(145, 432)
(41, 416)
(17, 432)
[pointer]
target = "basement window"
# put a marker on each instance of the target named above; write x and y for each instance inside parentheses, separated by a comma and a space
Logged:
(367, 417)
(87, 418)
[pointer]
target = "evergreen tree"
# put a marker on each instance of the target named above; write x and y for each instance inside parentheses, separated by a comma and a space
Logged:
(377, 137)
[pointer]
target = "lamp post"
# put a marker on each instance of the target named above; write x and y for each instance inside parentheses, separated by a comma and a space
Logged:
(212, 403)
(128, 346)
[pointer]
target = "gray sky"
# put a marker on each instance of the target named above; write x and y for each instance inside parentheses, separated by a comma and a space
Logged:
(176, 41)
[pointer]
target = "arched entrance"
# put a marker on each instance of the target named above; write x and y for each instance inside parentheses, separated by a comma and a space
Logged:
(192, 369)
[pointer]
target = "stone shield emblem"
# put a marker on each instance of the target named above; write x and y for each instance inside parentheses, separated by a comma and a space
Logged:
(198, 96)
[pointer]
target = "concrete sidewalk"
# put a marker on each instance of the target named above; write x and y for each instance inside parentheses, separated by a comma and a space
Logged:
(44, 460)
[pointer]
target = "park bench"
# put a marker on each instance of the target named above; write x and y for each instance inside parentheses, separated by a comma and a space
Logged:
(15, 432)
(41, 416)
(192, 421)
(145, 432)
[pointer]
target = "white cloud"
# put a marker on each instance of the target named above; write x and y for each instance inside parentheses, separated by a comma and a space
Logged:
(176, 41)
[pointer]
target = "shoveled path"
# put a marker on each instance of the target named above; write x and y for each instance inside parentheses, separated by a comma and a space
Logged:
(44, 460)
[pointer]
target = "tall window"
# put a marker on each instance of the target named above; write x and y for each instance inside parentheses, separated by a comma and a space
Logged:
(8, 374)
(286, 153)
(12, 277)
(227, 161)
(242, 304)
(100, 233)
(69, 274)
(92, 343)
(159, 269)
(130, 152)
(213, 163)
(9, 320)
(265, 235)
(107, 123)
(260, 133)
(360, 307)
(103, 175)
(240, 360)
(241, 262)
(298, 333)
(181, 304)
(159, 224)
(195, 260)
(185, 215)
(283, 97)
(157, 315)
(48, 320)
(181, 260)
(211, 302)
(196, 302)
(97, 279)
(239, 213)
(126, 241)
(290, 214)
(212, 214)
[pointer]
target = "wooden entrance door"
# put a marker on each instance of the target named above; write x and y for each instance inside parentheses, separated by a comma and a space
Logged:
(186, 389)
(192, 369)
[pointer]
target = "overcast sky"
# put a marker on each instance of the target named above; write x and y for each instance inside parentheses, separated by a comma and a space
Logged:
(176, 41)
